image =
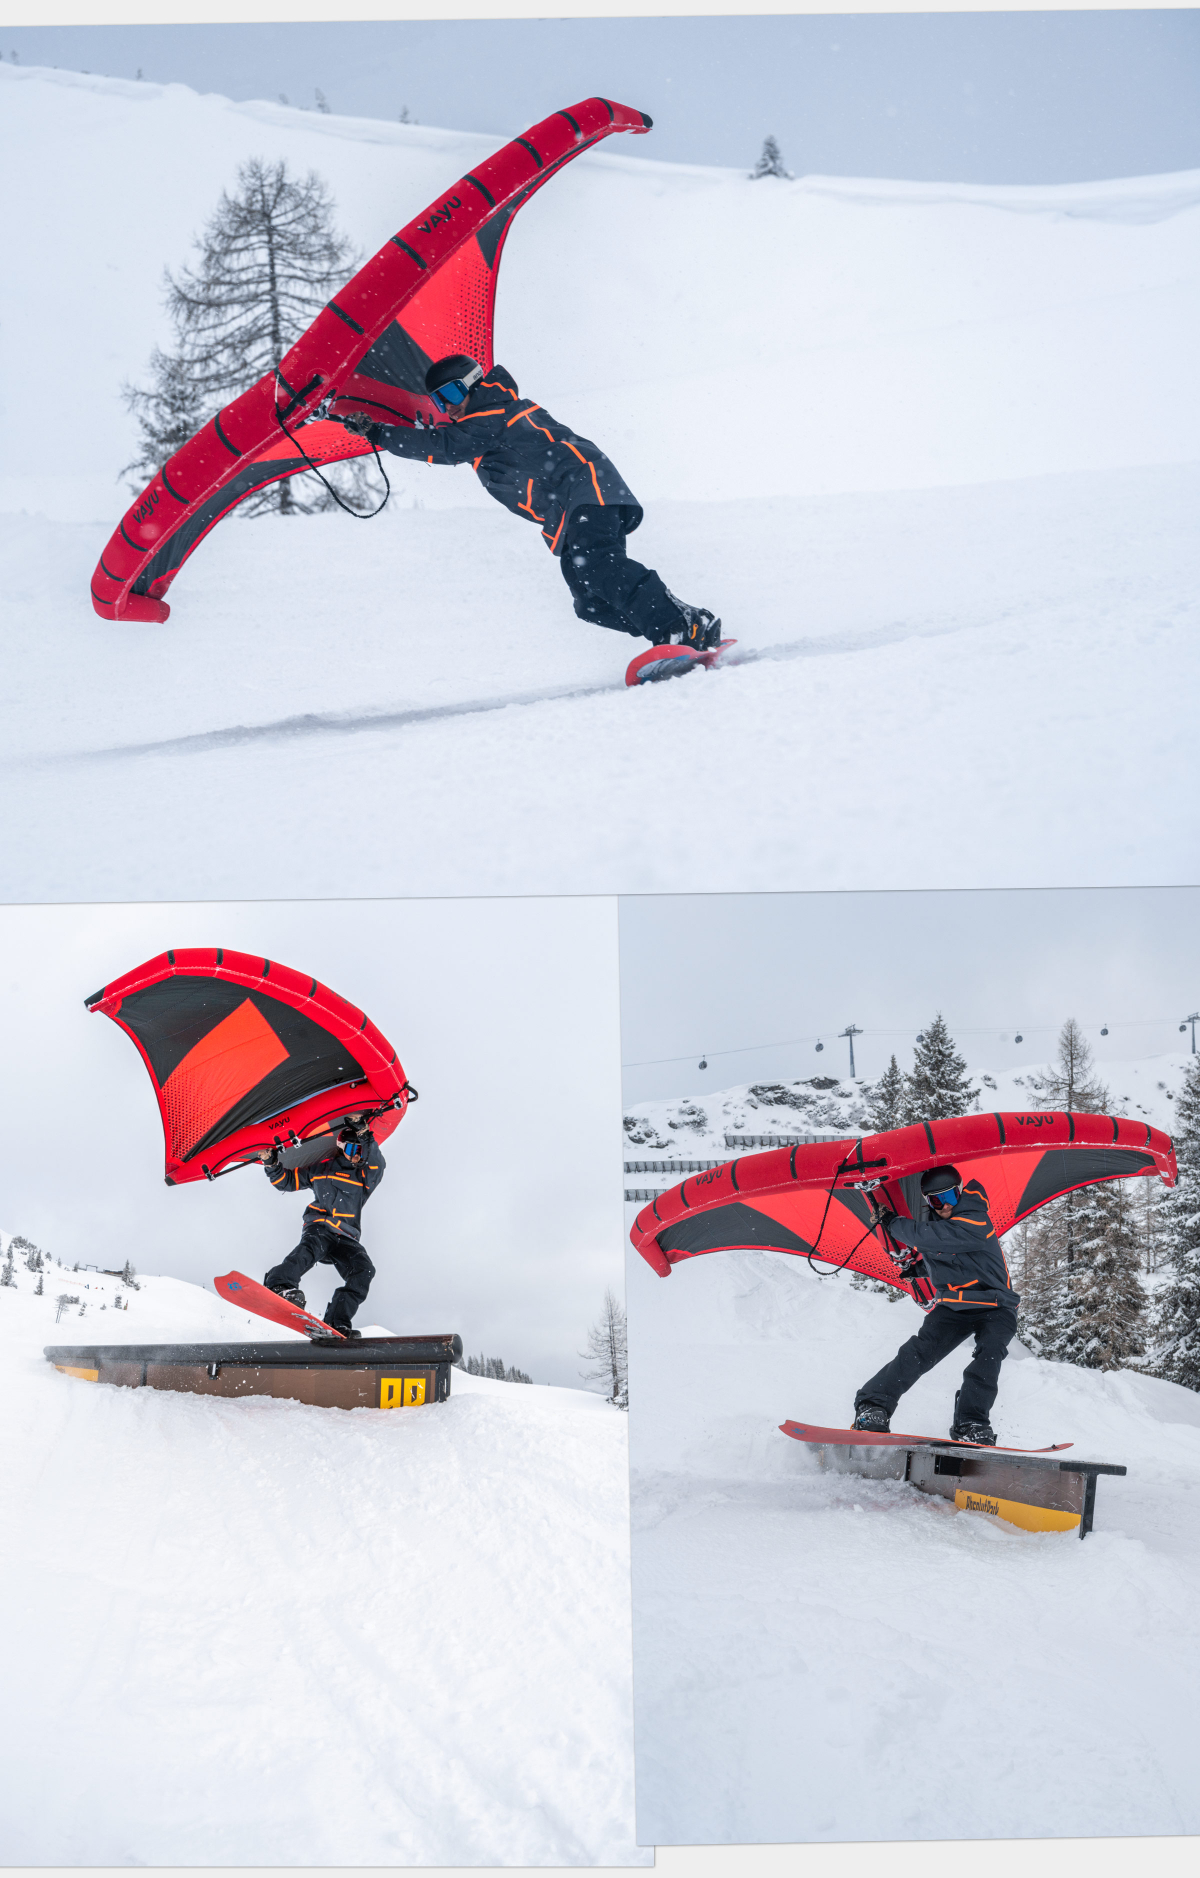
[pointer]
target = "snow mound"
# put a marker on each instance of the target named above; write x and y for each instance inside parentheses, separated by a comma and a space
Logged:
(821, 1657)
(259, 1633)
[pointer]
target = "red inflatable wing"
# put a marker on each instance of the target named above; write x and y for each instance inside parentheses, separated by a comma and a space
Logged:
(247, 1055)
(430, 291)
(814, 1201)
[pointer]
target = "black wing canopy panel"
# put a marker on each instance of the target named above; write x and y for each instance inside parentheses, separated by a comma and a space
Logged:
(733, 1225)
(1060, 1170)
(224, 1057)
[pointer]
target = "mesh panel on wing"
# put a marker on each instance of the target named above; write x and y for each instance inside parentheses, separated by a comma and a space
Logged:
(224, 1066)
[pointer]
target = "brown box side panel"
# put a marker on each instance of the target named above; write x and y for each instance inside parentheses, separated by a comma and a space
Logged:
(125, 1375)
(320, 1388)
(1002, 1479)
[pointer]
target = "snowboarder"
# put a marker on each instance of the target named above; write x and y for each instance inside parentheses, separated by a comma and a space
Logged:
(541, 470)
(956, 1249)
(341, 1183)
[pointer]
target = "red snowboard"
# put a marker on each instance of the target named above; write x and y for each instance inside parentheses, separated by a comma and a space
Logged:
(671, 662)
(860, 1438)
(249, 1295)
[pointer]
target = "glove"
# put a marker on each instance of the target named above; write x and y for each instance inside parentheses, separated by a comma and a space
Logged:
(882, 1215)
(359, 423)
(910, 1264)
(270, 1157)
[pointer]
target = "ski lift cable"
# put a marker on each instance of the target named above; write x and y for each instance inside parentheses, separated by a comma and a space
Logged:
(870, 1030)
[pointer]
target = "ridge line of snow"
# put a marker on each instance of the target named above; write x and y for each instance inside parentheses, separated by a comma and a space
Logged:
(1123, 198)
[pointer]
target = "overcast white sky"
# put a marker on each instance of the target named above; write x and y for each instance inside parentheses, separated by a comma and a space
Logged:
(986, 97)
(712, 974)
(500, 1213)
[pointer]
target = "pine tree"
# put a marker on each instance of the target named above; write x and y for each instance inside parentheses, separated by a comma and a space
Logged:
(885, 1103)
(31, 1253)
(938, 1086)
(608, 1351)
(1176, 1326)
(40, 1286)
(269, 260)
(129, 1276)
(6, 1270)
(1150, 1234)
(493, 1366)
(169, 411)
(770, 163)
(1070, 1083)
(1106, 1325)
(1037, 1253)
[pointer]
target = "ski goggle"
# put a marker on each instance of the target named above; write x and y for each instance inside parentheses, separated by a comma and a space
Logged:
(351, 1148)
(455, 393)
(946, 1198)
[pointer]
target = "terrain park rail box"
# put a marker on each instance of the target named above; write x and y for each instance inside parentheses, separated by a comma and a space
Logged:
(1039, 1493)
(367, 1372)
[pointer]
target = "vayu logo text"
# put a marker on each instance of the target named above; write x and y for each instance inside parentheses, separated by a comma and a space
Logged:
(440, 215)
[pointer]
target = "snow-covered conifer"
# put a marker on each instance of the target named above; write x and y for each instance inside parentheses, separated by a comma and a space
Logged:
(31, 1253)
(1176, 1325)
(269, 260)
(6, 1270)
(1052, 1291)
(129, 1276)
(885, 1104)
(938, 1086)
(1105, 1327)
(608, 1351)
(770, 162)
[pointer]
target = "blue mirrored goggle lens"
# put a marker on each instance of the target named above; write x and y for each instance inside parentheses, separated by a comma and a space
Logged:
(943, 1199)
(453, 393)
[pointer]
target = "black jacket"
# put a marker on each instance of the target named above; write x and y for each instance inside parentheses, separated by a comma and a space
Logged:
(526, 459)
(340, 1189)
(962, 1254)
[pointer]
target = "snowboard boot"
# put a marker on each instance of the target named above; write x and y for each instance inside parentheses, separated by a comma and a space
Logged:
(978, 1433)
(291, 1294)
(872, 1420)
(699, 631)
(344, 1329)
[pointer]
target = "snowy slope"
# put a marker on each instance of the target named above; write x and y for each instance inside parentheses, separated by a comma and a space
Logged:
(975, 477)
(1144, 1087)
(823, 1658)
(255, 1633)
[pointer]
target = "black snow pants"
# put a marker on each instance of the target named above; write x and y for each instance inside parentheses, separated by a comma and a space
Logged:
(607, 587)
(320, 1246)
(944, 1329)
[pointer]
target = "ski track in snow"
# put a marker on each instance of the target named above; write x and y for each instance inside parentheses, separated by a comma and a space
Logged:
(826, 1658)
(258, 1633)
(313, 724)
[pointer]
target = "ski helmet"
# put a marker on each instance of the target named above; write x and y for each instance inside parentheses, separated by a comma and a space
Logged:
(450, 381)
(941, 1186)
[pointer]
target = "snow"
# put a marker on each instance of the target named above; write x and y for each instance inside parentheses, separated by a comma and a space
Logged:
(929, 450)
(820, 1657)
(257, 1633)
